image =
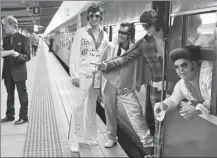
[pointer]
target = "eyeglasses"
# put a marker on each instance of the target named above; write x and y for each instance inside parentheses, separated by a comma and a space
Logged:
(184, 65)
(146, 26)
(96, 16)
(123, 33)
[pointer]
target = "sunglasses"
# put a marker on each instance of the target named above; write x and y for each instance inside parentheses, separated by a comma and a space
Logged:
(183, 65)
(123, 33)
(96, 16)
(146, 26)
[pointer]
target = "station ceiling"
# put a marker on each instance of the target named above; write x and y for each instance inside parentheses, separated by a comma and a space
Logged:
(27, 14)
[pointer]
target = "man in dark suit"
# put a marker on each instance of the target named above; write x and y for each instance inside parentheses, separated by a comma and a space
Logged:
(15, 70)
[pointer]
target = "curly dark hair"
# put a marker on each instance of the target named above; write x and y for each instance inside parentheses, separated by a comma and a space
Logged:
(194, 21)
(190, 52)
(95, 8)
(151, 18)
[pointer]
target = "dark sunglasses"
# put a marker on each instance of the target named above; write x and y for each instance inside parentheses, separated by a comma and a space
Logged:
(146, 26)
(123, 33)
(96, 16)
(183, 65)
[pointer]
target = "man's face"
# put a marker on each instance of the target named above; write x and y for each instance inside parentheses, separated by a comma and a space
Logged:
(184, 68)
(8, 28)
(94, 18)
(123, 34)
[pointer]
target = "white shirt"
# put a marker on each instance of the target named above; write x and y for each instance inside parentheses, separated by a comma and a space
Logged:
(181, 92)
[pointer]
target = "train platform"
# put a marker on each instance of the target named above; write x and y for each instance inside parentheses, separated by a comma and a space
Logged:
(46, 133)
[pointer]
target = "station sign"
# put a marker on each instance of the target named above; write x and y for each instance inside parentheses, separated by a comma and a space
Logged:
(36, 10)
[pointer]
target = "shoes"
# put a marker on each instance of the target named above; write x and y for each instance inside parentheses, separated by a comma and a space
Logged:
(75, 147)
(89, 141)
(110, 144)
(7, 119)
(149, 152)
(20, 121)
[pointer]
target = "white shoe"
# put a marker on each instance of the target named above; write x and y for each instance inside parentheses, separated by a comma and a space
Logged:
(110, 144)
(75, 147)
(89, 141)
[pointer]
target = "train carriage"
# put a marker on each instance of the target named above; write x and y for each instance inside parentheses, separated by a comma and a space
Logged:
(196, 137)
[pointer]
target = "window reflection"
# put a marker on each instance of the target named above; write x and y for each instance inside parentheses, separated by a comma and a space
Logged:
(114, 32)
(200, 29)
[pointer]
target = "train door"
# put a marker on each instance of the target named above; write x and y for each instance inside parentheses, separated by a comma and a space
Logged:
(192, 23)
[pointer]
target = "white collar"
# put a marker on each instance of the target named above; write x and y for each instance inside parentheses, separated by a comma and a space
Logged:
(88, 26)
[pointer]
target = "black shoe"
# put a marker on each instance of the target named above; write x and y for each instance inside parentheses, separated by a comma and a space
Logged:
(20, 121)
(7, 119)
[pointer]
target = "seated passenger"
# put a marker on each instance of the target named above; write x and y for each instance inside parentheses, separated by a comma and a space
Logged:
(194, 85)
(193, 35)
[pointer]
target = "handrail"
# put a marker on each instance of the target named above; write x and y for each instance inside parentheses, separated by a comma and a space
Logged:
(195, 11)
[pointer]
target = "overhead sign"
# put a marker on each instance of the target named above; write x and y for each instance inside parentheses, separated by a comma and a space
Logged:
(36, 10)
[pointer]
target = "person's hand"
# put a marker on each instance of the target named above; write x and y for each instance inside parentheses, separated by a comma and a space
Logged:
(189, 112)
(158, 107)
(160, 111)
(76, 82)
(100, 66)
(14, 54)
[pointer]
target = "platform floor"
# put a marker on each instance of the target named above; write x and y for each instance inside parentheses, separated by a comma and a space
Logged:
(46, 133)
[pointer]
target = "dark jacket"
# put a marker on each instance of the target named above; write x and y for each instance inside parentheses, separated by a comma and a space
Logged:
(16, 65)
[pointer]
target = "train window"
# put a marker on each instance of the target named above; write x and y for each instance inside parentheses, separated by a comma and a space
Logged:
(114, 32)
(139, 31)
(200, 29)
(106, 29)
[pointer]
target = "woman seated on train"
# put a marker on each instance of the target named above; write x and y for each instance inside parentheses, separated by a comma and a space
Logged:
(194, 37)
(194, 85)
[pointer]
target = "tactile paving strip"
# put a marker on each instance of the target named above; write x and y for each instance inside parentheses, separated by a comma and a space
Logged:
(43, 138)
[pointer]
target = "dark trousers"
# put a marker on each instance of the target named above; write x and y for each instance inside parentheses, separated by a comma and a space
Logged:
(22, 93)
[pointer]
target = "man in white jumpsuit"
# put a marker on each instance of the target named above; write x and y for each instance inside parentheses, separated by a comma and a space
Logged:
(88, 46)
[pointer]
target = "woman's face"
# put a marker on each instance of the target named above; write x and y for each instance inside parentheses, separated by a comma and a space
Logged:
(94, 18)
(185, 69)
(150, 29)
